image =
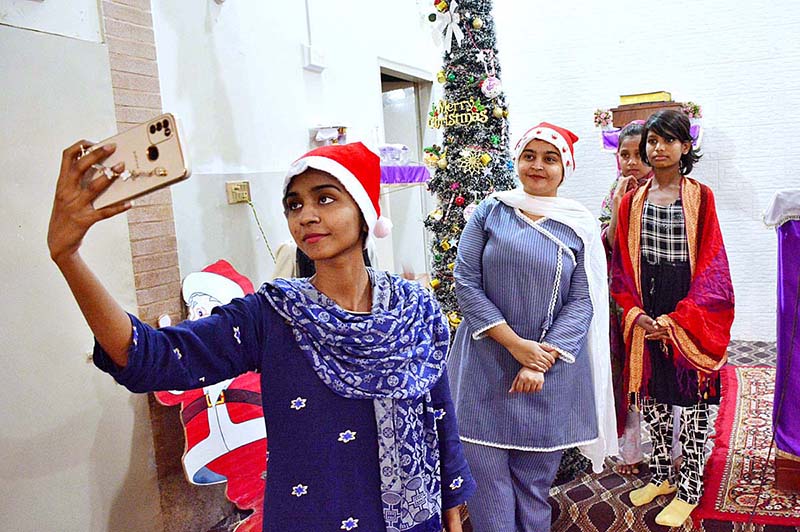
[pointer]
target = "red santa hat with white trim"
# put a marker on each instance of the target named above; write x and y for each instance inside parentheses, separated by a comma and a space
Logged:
(219, 280)
(358, 170)
(562, 139)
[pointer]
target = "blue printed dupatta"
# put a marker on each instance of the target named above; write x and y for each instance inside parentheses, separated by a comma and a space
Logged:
(394, 355)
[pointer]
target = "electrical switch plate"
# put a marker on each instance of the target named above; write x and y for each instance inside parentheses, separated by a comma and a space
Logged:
(237, 191)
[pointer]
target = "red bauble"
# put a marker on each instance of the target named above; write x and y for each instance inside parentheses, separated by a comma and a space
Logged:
(460, 200)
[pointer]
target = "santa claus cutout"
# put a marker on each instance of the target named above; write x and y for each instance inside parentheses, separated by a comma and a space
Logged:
(226, 439)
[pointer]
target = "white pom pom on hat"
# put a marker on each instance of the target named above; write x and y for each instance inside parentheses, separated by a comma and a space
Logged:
(358, 170)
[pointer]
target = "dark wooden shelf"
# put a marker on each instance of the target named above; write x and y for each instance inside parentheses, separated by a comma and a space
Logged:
(624, 114)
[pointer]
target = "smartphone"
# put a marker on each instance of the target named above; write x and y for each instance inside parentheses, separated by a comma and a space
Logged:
(154, 158)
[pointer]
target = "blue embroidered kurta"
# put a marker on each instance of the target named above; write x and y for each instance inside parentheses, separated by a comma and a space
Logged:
(323, 471)
(529, 275)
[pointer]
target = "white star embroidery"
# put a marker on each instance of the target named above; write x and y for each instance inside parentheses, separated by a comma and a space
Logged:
(237, 335)
(457, 482)
(439, 413)
(300, 490)
(297, 404)
(481, 56)
(177, 353)
(349, 524)
(347, 436)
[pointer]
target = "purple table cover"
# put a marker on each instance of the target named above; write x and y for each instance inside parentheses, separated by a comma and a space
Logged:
(610, 137)
(402, 175)
(787, 379)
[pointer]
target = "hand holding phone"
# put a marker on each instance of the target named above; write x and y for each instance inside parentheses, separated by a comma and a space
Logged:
(73, 214)
(153, 157)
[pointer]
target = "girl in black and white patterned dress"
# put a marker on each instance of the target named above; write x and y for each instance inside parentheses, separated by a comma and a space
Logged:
(666, 221)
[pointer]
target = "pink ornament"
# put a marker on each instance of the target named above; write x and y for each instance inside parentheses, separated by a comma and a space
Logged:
(468, 210)
(455, 186)
(491, 87)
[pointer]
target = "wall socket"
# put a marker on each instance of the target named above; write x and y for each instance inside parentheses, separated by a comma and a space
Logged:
(237, 191)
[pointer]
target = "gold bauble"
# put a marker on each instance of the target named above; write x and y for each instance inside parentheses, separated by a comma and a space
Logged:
(442, 163)
(497, 112)
(435, 283)
(453, 318)
(477, 23)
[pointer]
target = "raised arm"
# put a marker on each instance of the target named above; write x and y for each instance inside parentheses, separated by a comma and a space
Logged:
(72, 216)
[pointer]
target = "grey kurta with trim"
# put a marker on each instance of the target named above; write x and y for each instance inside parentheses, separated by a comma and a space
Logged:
(529, 275)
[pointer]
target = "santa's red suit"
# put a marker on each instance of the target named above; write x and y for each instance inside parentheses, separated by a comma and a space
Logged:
(226, 437)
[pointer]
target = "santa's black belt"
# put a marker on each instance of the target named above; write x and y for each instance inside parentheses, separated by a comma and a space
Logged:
(201, 404)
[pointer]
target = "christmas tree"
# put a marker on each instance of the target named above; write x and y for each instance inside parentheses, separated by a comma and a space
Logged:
(474, 160)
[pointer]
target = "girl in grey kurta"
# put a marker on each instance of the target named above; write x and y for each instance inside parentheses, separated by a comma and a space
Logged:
(529, 275)
(521, 371)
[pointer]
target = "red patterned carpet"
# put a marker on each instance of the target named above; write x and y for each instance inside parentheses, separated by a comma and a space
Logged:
(734, 475)
(739, 471)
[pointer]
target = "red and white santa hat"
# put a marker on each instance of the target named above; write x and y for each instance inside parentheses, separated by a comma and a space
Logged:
(561, 138)
(219, 280)
(358, 170)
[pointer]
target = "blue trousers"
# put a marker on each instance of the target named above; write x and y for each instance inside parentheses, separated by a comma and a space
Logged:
(513, 487)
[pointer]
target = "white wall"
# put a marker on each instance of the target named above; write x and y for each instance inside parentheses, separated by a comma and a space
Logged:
(79, 19)
(739, 61)
(76, 448)
(234, 74)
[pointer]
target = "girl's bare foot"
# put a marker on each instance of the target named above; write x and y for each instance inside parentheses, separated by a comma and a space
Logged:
(628, 469)
(676, 463)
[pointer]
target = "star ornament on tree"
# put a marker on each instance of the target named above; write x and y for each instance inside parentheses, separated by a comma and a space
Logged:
(470, 163)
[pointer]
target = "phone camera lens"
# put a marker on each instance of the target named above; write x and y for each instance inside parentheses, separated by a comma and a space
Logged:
(152, 129)
(165, 123)
(167, 132)
(152, 153)
(158, 126)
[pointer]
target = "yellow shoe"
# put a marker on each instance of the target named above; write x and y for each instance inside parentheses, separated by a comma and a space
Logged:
(646, 494)
(675, 513)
